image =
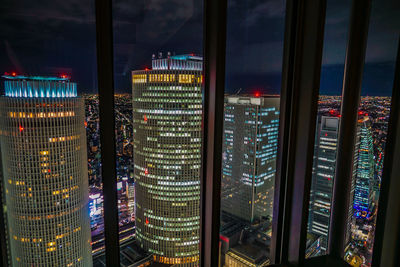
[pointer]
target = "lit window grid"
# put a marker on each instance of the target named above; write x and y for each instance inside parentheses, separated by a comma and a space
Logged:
(324, 166)
(247, 192)
(365, 169)
(167, 141)
(41, 232)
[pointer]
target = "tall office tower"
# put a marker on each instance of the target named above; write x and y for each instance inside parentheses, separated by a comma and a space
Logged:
(324, 166)
(249, 156)
(364, 184)
(43, 146)
(167, 116)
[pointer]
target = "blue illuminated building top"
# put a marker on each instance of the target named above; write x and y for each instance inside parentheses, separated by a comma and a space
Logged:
(179, 62)
(39, 87)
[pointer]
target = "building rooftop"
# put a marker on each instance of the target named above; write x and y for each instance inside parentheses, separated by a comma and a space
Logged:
(257, 99)
(38, 86)
(131, 255)
(35, 78)
(178, 62)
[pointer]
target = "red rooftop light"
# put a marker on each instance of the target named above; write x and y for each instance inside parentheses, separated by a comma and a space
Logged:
(21, 128)
(257, 94)
(14, 74)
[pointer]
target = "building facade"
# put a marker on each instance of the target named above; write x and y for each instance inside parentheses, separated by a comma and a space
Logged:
(364, 185)
(245, 257)
(43, 146)
(249, 156)
(324, 166)
(167, 116)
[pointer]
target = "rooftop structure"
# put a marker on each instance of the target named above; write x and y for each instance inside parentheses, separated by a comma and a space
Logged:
(39, 87)
(180, 62)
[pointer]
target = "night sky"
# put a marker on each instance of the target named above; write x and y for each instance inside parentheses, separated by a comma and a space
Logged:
(53, 37)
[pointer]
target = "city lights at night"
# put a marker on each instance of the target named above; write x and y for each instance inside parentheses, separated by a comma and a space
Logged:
(199, 133)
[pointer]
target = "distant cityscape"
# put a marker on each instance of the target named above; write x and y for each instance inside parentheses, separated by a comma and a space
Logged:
(158, 142)
(360, 248)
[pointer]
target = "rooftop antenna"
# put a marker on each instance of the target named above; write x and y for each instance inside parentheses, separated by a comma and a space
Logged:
(153, 56)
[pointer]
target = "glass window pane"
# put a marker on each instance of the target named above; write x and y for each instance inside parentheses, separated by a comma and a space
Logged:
(158, 111)
(49, 133)
(371, 130)
(250, 135)
(327, 127)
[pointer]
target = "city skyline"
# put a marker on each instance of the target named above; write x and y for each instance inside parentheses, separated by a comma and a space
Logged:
(375, 107)
(167, 165)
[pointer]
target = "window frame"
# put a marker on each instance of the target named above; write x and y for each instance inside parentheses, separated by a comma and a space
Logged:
(387, 231)
(299, 23)
(105, 76)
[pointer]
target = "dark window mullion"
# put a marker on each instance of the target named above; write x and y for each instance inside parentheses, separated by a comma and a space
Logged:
(105, 73)
(354, 65)
(213, 110)
(283, 135)
(301, 69)
(386, 243)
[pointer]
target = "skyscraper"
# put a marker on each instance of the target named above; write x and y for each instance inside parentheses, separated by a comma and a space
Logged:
(167, 116)
(365, 169)
(323, 177)
(43, 146)
(249, 156)
(324, 167)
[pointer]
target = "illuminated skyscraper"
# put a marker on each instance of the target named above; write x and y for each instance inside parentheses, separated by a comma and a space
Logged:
(324, 167)
(43, 146)
(364, 183)
(167, 115)
(249, 156)
(323, 177)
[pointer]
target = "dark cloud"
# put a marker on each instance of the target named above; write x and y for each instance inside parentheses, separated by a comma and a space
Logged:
(48, 36)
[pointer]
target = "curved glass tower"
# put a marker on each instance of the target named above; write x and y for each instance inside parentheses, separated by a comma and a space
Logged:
(43, 146)
(167, 115)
